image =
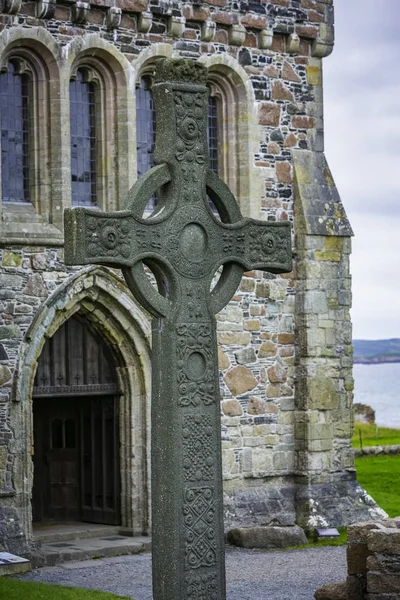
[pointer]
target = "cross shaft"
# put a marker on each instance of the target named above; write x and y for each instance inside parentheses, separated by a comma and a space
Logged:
(184, 244)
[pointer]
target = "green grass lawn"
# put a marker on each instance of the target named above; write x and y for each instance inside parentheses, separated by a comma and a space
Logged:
(14, 589)
(375, 436)
(380, 476)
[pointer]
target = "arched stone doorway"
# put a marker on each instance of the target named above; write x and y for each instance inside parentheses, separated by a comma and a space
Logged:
(76, 428)
(98, 297)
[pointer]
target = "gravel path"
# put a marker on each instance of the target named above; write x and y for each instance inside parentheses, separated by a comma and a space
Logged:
(251, 575)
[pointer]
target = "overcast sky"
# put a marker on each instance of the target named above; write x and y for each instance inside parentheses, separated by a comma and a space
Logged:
(362, 144)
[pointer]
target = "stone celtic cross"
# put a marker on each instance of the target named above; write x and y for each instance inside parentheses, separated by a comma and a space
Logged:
(183, 243)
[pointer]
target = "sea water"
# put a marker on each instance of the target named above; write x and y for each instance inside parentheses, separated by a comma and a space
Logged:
(379, 386)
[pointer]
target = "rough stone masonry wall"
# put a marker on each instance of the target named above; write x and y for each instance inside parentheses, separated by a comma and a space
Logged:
(281, 445)
(373, 564)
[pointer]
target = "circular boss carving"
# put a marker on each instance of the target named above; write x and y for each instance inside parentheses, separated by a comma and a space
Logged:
(191, 248)
(268, 243)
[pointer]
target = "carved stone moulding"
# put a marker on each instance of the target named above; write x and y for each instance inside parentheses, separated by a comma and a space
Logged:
(325, 41)
(10, 7)
(236, 35)
(176, 26)
(113, 17)
(208, 29)
(80, 12)
(293, 43)
(145, 22)
(45, 9)
(265, 39)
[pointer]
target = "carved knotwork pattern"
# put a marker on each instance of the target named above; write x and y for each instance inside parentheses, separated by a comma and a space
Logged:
(199, 460)
(199, 527)
(234, 243)
(108, 237)
(189, 112)
(195, 388)
(202, 587)
(271, 246)
(148, 238)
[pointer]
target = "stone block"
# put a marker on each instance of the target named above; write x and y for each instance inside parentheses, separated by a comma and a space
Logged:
(267, 537)
(240, 380)
(232, 408)
(36, 287)
(269, 114)
(278, 287)
(223, 360)
(332, 591)
(256, 406)
(283, 172)
(386, 541)
(322, 394)
(8, 281)
(262, 289)
(11, 259)
(267, 349)
(246, 356)
(281, 461)
(9, 332)
(356, 587)
(315, 302)
(3, 457)
(357, 555)
(5, 375)
(313, 75)
(234, 338)
(281, 92)
(252, 325)
(384, 583)
(277, 373)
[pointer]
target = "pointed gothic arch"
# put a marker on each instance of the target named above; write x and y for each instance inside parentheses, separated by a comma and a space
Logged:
(100, 298)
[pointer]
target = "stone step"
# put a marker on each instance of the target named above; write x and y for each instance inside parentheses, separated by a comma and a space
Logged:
(63, 532)
(54, 553)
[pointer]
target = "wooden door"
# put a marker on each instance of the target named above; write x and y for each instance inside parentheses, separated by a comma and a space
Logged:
(57, 460)
(99, 461)
(76, 442)
(76, 465)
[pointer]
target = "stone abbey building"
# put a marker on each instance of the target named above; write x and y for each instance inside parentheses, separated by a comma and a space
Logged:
(77, 128)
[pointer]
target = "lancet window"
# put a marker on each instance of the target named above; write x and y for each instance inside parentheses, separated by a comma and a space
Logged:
(212, 132)
(15, 99)
(145, 130)
(83, 140)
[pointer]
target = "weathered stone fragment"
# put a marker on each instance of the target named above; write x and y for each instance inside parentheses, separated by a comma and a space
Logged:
(267, 537)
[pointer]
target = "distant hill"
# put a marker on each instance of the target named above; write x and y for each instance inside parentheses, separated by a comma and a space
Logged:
(376, 351)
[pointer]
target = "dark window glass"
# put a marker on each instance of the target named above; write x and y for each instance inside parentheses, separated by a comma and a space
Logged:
(70, 434)
(14, 115)
(83, 141)
(57, 434)
(145, 130)
(212, 139)
(212, 133)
